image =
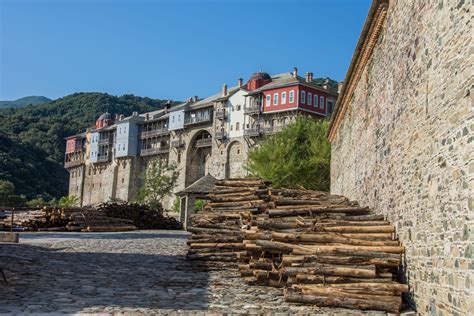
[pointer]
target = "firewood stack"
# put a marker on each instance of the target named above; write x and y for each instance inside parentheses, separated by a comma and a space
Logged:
(326, 250)
(217, 234)
(66, 219)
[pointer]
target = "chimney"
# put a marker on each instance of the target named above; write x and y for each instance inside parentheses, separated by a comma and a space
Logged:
(147, 116)
(121, 117)
(295, 72)
(309, 76)
(196, 98)
(224, 90)
(339, 86)
(116, 117)
(135, 114)
(240, 82)
(167, 106)
(326, 84)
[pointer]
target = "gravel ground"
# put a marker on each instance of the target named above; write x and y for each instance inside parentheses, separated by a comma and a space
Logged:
(140, 272)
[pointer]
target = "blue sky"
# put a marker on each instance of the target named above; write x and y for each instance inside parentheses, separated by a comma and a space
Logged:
(169, 49)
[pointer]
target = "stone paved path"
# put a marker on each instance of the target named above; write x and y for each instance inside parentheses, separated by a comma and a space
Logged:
(141, 272)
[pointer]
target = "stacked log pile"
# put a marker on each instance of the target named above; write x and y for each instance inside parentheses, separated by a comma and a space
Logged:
(140, 215)
(326, 250)
(217, 234)
(66, 219)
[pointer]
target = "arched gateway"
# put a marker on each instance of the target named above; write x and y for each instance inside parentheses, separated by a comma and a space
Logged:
(198, 156)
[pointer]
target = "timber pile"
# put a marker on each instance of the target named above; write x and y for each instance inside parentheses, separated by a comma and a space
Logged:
(69, 219)
(140, 215)
(326, 250)
(216, 231)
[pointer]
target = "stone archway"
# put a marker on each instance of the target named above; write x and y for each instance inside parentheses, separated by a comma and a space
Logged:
(198, 157)
(235, 160)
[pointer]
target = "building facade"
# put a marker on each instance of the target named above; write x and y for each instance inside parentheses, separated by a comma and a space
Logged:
(402, 142)
(202, 136)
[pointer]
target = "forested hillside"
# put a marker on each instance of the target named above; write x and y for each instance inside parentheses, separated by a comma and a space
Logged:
(32, 138)
(33, 100)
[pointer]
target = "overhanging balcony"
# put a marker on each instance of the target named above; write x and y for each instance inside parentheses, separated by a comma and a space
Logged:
(105, 141)
(205, 142)
(220, 115)
(72, 164)
(220, 135)
(253, 132)
(154, 132)
(197, 120)
(252, 110)
(271, 130)
(177, 143)
(155, 151)
(104, 158)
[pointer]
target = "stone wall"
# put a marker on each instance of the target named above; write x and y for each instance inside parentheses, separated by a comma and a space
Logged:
(405, 147)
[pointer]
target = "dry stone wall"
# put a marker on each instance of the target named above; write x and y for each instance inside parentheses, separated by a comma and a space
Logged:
(405, 147)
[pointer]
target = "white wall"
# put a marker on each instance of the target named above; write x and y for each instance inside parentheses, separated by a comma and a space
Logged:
(235, 115)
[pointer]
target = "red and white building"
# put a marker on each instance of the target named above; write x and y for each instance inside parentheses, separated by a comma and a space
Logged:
(273, 101)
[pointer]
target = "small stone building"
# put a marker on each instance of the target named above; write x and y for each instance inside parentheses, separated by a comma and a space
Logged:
(402, 141)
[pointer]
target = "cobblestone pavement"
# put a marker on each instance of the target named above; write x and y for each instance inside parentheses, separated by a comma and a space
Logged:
(141, 272)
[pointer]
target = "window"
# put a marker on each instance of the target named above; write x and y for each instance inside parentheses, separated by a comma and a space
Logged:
(275, 99)
(172, 119)
(123, 146)
(238, 151)
(124, 129)
(231, 127)
(310, 98)
(303, 97)
(239, 107)
(316, 100)
(237, 126)
(283, 98)
(292, 96)
(321, 102)
(268, 100)
(329, 106)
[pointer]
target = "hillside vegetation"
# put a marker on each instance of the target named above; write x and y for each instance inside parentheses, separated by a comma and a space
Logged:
(32, 100)
(32, 138)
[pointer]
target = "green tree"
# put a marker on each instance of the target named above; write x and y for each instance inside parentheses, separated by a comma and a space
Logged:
(68, 201)
(298, 156)
(8, 196)
(159, 180)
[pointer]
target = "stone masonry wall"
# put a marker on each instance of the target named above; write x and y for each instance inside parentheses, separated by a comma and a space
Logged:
(405, 147)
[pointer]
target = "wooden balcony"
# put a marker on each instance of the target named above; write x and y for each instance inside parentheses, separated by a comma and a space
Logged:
(155, 151)
(103, 158)
(105, 141)
(197, 120)
(220, 115)
(220, 135)
(205, 142)
(177, 143)
(72, 164)
(155, 132)
(252, 110)
(253, 132)
(271, 130)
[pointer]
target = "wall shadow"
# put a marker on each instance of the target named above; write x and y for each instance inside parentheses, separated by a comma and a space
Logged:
(43, 280)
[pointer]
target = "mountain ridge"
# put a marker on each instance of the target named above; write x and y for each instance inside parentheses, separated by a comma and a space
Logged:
(25, 101)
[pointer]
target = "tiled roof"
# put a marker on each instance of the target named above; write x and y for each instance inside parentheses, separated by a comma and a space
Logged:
(202, 186)
(287, 79)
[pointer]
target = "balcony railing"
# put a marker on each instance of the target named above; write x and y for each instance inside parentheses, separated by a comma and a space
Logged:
(155, 132)
(155, 151)
(197, 120)
(220, 135)
(105, 141)
(205, 142)
(74, 163)
(253, 132)
(103, 158)
(251, 110)
(271, 129)
(177, 143)
(220, 115)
